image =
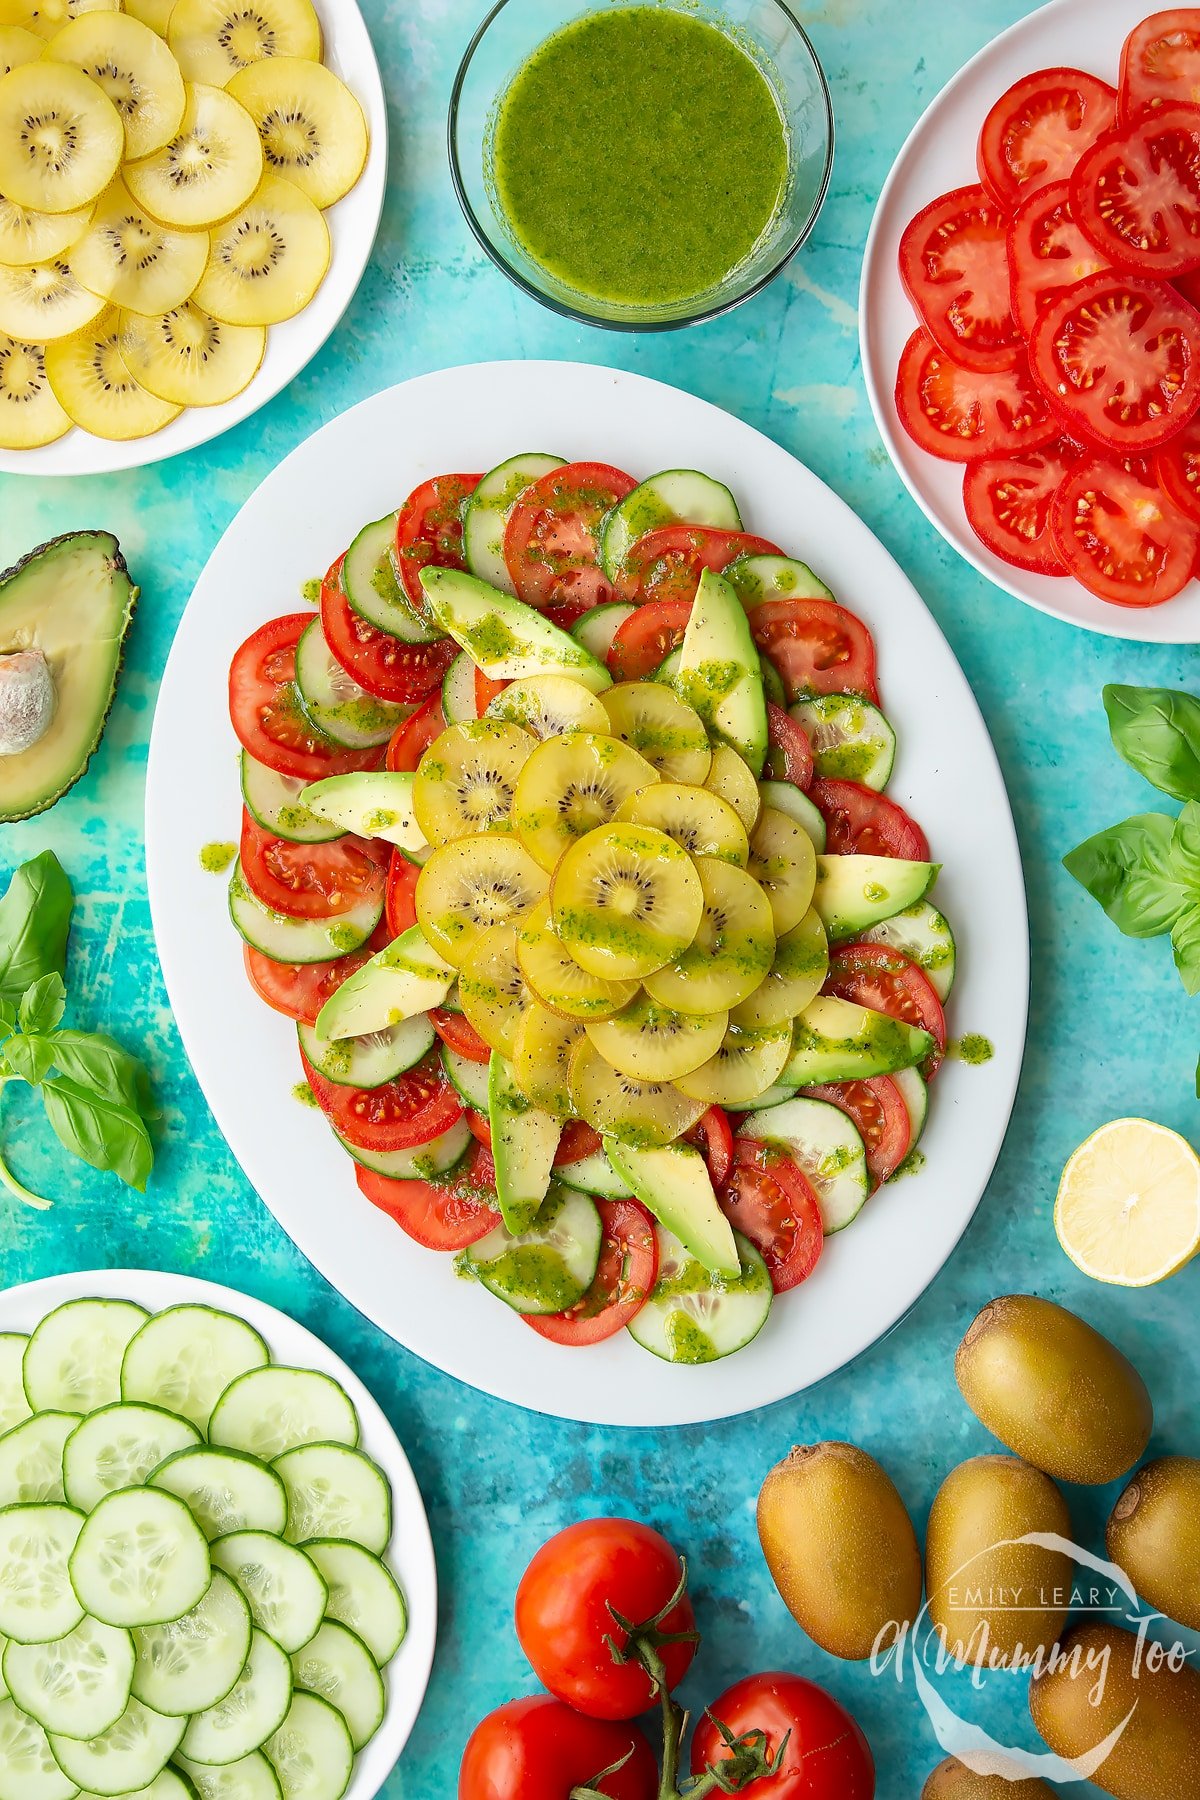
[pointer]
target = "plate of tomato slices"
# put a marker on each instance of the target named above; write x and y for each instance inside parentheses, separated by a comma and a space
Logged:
(1030, 316)
(387, 1176)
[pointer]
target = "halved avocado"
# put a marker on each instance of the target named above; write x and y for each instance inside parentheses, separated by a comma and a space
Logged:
(72, 600)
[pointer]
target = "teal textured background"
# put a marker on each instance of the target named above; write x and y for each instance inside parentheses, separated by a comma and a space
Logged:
(1111, 1032)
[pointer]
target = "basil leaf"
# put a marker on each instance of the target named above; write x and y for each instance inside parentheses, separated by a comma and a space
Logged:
(43, 1004)
(35, 917)
(94, 1059)
(8, 1015)
(1131, 870)
(99, 1129)
(1185, 942)
(30, 1058)
(1157, 731)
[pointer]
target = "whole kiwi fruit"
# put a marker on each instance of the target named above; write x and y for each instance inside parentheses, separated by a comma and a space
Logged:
(952, 1780)
(1154, 1535)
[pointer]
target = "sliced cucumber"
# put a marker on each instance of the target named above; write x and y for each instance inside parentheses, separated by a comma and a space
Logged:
(921, 932)
(676, 496)
(224, 1490)
(597, 628)
(76, 1686)
(271, 1410)
(312, 1752)
(338, 1666)
(548, 1267)
(594, 1175)
(425, 1162)
(468, 1078)
(372, 803)
(73, 1359)
(14, 1405)
(185, 1357)
(191, 1664)
(273, 801)
(334, 702)
(140, 1559)
(169, 1784)
(250, 1778)
(693, 1316)
(290, 940)
(285, 1590)
(116, 1447)
(487, 513)
(335, 1492)
(851, 740)
(124, 1759)
(856, 892)
(31, 1459)
(774, 1096)
(914, 1092)
(28, 1770)
(367, 1062)
(253, 1708)
(828, 1149)
(38, 1602)
(459, 704)
(759, 578)
(370, 585)
(786, 798)
(363, 1594)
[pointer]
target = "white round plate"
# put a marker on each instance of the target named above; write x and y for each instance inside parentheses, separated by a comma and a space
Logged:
(410, 1557)
(939, 155)
(362, 465)
(353, 223)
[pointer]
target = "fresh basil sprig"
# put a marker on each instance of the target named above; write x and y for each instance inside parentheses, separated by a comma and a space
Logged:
(96, 1095)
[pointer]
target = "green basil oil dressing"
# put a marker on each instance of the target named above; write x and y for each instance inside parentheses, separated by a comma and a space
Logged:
(216, 858)
(639, 155)
(311, 591)
(972, 1048)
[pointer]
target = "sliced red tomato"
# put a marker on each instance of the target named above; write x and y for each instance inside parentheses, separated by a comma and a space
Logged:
(400, 899)
(384, 665)
(647, 638)
(441, 1216)
(1136, 192)
(817, 647)
(875, 975)
(1118, 357)
(312, 881)
(769, 1199)
(627, 1270)
(566, 613)
(1119, 534)
(1038, 130)
(552, 538)
(789, 753)
(413, 1109)
(300, 990)
(486, 691)
(712, 1134)
(1189, 286)
(412, 739)
(458, 1034)
(959, 413)
(1160, 64)
(265, 709)
(577, 1141)
(1047, 253)
(1009, 500)
(954, 267)
(860, 822)
(429, 531)
(878, 1110)
(667, 563)
(479, 1127)
(1177, 470)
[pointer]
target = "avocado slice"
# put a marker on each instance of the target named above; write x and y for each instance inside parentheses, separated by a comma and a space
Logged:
(720, 673)
(524, 1142)
(406, 978)
(674, 1183)
(372, 803)
(505, 638)
(836, 1040)
(64, 612)
(855, 892)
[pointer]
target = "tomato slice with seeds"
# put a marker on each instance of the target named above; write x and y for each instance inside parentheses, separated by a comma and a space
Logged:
(312, 881)
(577, 1141)
(880, 977)
(552, 538)
(441, 1216)
(769, 1199)
(1160, 63)
(666, 564)
(817, 647)
(860, 822)
(789, 753)
(400, 896)
(411, 740)
(954, 267)
(458, 1033)
(877, 1108)
(1119, 534)
(1009, 500)
(1047, 253)
(429, 531)
(266, 713)
(646, 638)
(1177, 470)
(1037, 131)
(1136, 192)
(413, 1109)
(625, 1274)
(300, 990)
(959, 413)
(386, 666)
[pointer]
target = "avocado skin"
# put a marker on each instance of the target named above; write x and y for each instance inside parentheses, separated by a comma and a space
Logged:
(122, 586)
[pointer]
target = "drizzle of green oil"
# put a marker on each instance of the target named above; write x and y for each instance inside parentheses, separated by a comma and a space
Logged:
(973, 1048)
(688, 1344)
(216, 858)
(311, 591)
(913, 1163)
(304, 1094)
(536, 1272)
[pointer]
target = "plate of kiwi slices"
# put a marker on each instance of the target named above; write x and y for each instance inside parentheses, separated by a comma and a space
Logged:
(189, 227)
(629, 879)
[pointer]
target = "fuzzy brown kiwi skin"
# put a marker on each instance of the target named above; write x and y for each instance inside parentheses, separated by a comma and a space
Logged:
(1154, 1535)
(952, 1780)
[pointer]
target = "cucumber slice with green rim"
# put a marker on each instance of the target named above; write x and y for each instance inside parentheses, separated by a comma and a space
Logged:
(914, 1092)
(469, 1079)
(363, 1594)
(284, 1589)
(594, 1175)
(272, 1410)
(597, 628)
(774, 1096)
(169, 1784)
(367, 1062)
(370, 585)
(185, 1357)
(273, 801)
(28, 1770)
(290, 940)
(788, 799)
(458, 691)
(372, 803)
(117, 1446)
(423, 1163)
(140, 1559)
(72, 1362)
(38, 1602)
(126, 1757)
(334, 702)
(335, 1492)
(923, 934)
(338, 1666)
(828, 1149)
(759, 578)
(31, 1459)
(250, 1778)
(14, 1406)
(851, 740)
(76, 1686)
(548, 1267)
(254, 1707)
(224, 1490)
(312, 1752)
(487, 513)
(191, 1664)
(693, 1316)
(676, 496)
(3, 1683)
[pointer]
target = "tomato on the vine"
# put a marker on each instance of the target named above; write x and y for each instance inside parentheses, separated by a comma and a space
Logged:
(538, 1749)
(826, 1756)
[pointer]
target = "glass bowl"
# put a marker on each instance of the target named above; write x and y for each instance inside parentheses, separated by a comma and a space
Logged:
(766, 29)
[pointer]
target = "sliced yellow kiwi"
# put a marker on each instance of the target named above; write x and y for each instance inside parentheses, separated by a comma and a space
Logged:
(216, 39)
(626, 900)
(61, 137)
(312, 128)
(645, 1113)
(732, 779)
(698, 819)
(29, 413)
(569, 786)
(92, 383)
(154, 13)
(18, 46)
(41, 301)
(268, 261)
(784, 864)
(655, 1043)
(30, 237)
(187, 358)
(746, 1065)
(795, 978)
(542, 1049)
(472, 883)
(207, 171)
(549, 705)
(491, 988)
(134, 68)
(732, 950)
(466, 779)
(661, 727)
(132, 260)
(47, 17)
(557, 980)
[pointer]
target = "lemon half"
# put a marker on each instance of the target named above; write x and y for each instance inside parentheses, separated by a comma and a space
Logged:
(1128, 1206)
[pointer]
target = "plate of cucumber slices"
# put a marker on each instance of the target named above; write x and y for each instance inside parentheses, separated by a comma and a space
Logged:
(577, 861)
(235, 1584)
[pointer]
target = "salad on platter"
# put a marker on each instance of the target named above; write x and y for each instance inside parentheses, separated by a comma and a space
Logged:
(566, 847)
